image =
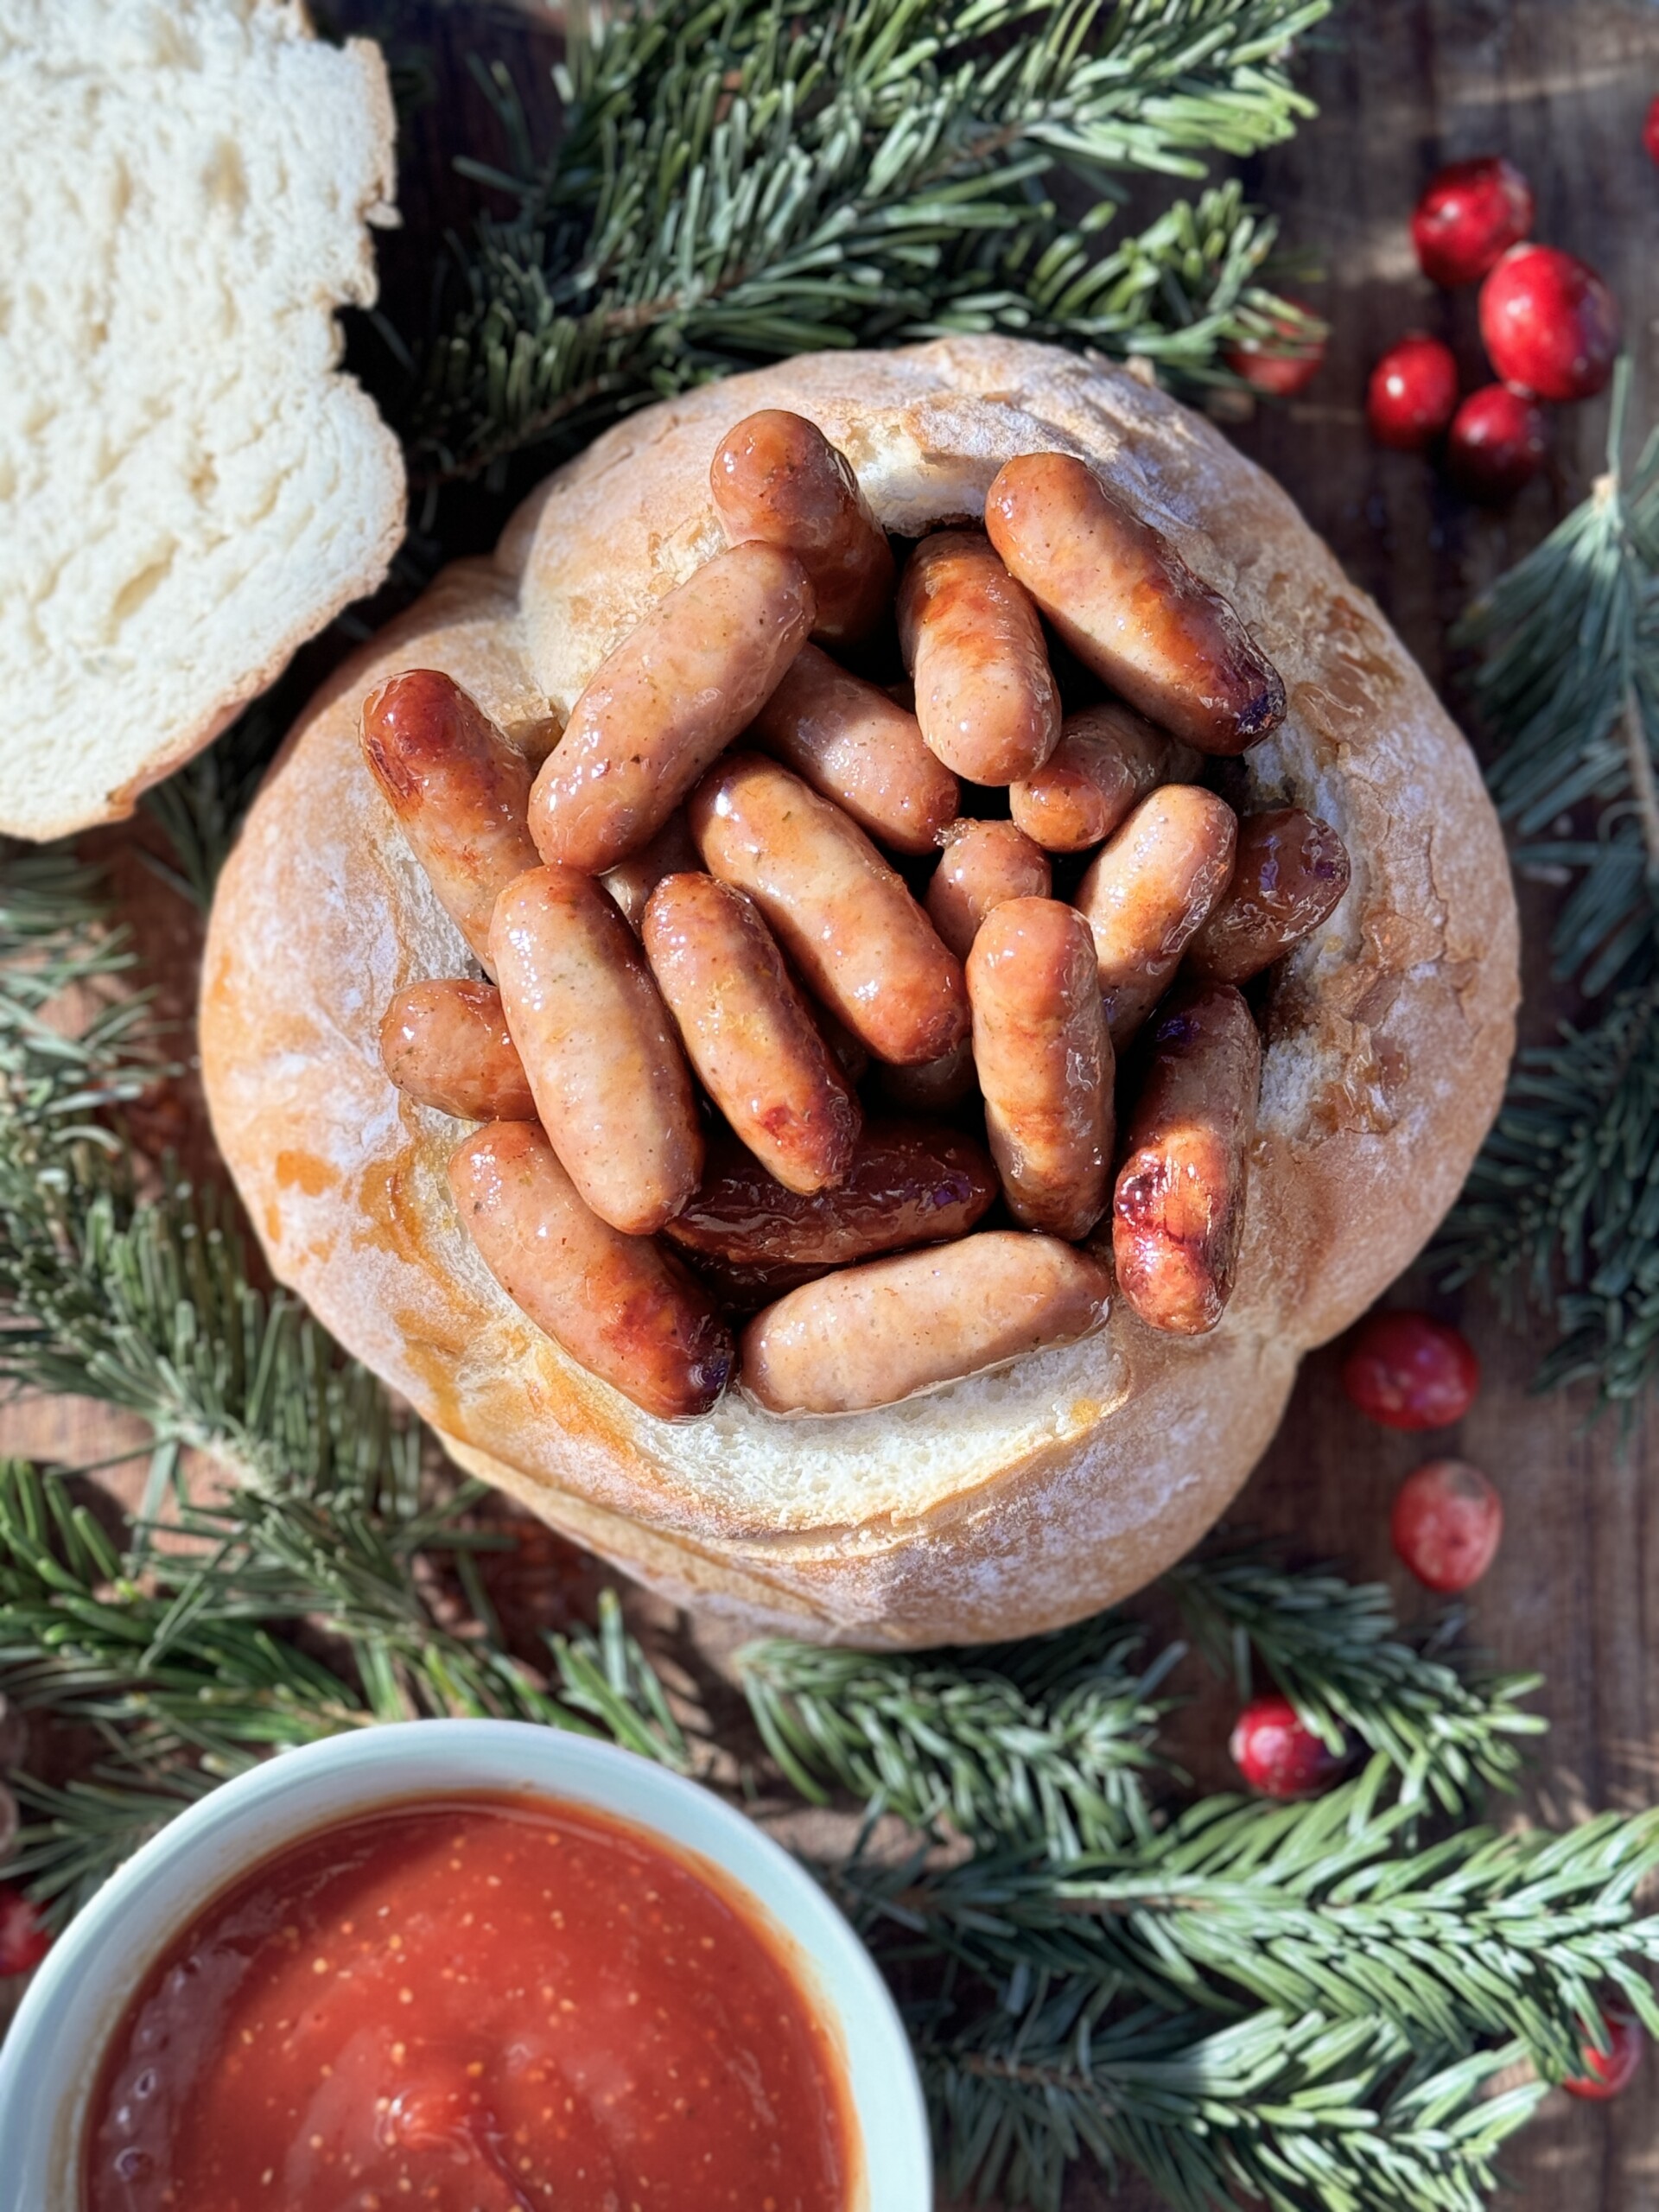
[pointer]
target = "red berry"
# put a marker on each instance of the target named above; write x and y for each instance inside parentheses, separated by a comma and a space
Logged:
(1446, 1523)
(1277, 1754)
(1496, 443)
(1651, 132)
(1413, 393)
(1285, 363)
(24, 1940)
(1607, 2072)
(1549, 323)
(1408, 1371)
(1470, 213)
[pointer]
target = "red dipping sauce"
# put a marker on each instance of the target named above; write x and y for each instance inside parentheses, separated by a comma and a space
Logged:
(487, 2005)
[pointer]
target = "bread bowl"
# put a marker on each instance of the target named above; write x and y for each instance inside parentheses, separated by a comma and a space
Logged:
(1005, 1503)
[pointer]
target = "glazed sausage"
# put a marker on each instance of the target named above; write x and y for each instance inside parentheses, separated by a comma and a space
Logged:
(1045, 1063)
(909, 1183)
(1177, 1210)
(985, 695)
(1290, 875)
(446, 1045)
(747, 1031)
(666, 703)
(631, 882)
(1108, 759)
(870, 1336)
(623, 1309)
(776, 477)
(933, 1086)
(859, 747)
(611, 1084)
(841, 914)
(459, 791)
(1146, 894)
(984, 863)
(1129, 607)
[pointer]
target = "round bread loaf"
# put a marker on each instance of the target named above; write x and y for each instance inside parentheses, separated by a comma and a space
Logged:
(1011, 1502)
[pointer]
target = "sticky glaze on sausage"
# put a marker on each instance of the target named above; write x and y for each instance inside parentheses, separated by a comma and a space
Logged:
(985, 695)
(909, 1183)
(1108, 759)
(666, 703)
(631, 882)
(1147, 891)
(984, 863)
(1129, 607)
(446, 1045)
(625, 1310)
(611, 1084)
(1045, 1063)
(840, 913)
(872, 1335)
(859, 747)
(1178, 1209)
(748, 1032)
(776, 477)
(1290, 875)
(459, 790)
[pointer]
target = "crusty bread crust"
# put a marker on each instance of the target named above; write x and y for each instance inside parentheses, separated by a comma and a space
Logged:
(1006, 1503)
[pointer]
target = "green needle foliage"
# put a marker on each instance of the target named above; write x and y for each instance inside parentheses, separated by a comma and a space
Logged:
(1560, 1209)
(734, 182)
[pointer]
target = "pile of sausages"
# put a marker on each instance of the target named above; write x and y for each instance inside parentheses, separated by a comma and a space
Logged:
(730, 1063)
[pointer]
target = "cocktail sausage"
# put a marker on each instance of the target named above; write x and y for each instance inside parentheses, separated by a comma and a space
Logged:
(1288, 876)
(1129, 607)
(1147, 891)
(984, 863)
(776, 477)
(985, 696)
(1108, 759)
(459, 790)
(631, 882)
(446, 1045)
(670, 699)
(857, 746)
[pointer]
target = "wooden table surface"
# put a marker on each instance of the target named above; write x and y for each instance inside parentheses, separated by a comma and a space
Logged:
(1561, 86)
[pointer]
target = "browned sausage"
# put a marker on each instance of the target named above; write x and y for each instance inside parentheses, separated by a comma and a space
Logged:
(631, 882)
(666, 703)
(872, 1335)
(857, 746)
(777, 477)
(842, 915)
(1045, 1063)
(934, 1086)
(984, 863)
(1108, 759)
(446, 1044)
(1178, 1212)
(623, 1309)
(1146, 891)
(459, 790)
(909, 1183)
(1129, 607)
(1289, 874)
(747, 1031)
(611, 1084)
(985, 695)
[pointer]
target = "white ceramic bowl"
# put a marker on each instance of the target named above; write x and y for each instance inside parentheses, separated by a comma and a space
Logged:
(48, 2063)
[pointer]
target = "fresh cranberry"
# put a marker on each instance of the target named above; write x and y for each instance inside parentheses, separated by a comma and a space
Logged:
(24, 1939)
(1408, 1371)
(1277, 1753)
(1284, 363)
(1549, 323)
(1650, 131)
(1470, 213)
(1413, 393)
(1446, 1523)
(1496, 443)
(1607, 2072)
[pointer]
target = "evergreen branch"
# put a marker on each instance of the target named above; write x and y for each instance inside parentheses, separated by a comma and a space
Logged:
(1298, 2114)
(1321, 1908)
(1332, 1647)
(1049, 1740)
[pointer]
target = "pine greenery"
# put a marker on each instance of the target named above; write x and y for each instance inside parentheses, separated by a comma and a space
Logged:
(734, 182)
(1562, 1208)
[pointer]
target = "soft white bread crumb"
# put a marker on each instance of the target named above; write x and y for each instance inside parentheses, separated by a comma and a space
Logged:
(189, 487)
